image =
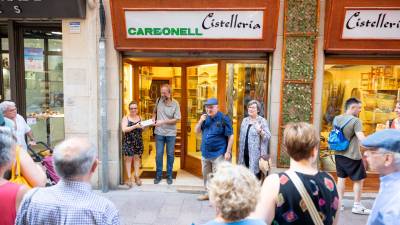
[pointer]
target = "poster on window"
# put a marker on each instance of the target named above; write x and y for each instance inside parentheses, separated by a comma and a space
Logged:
(34, 58)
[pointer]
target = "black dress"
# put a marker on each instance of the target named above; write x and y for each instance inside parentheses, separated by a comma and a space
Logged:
(291, 209)
(133, 142)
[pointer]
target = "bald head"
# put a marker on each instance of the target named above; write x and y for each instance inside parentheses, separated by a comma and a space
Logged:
(73, 158)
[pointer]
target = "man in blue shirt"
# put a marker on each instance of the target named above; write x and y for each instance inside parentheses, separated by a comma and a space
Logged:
(383, 155)
(217, 139)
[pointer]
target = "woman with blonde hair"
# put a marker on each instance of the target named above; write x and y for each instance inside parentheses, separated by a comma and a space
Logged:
(133, 142)
(302, 194)
(234, 191)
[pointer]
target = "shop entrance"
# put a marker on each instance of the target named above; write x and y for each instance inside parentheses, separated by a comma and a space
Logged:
(233, 82)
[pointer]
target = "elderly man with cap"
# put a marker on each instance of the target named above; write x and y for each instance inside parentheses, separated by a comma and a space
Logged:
(217, 139)
(383, 155)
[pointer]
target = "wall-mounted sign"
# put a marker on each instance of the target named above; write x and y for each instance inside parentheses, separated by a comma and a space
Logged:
(194, 24)
(74, 27)
(42, 8)
(371, 24)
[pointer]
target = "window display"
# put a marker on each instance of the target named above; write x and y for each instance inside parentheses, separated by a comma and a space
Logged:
(5, 90)
(377, 86)
(43, 65)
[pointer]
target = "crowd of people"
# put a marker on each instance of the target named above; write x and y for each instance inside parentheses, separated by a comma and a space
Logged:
(242, 194)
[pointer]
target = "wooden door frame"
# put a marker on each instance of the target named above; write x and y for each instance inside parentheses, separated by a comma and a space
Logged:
(188, 162)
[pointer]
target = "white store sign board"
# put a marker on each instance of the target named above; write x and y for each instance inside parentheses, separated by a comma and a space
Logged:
(371, 24)
(194, 24)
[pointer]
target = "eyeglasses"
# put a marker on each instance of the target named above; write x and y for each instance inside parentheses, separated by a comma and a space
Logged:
(132, 108)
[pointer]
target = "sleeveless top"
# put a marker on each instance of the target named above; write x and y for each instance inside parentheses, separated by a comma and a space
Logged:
(291, 209)
(8, 195)
(133, 142)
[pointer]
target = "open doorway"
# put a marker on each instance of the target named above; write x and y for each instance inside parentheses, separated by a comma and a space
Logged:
(193, 81)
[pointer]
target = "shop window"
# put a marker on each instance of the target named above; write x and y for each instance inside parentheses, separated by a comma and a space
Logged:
(245, 82)
(377, 86)
(43, 66)
(5, 90)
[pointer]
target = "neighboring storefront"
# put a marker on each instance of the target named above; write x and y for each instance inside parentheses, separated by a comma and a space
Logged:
(362, 60)
(202, 49)
(31, 69)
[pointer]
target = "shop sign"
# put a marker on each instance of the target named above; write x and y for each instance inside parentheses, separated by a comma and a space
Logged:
(371, 24)
(42, 8)
(194, 24)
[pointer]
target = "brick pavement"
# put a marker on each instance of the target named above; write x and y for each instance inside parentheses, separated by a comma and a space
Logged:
(164, 205)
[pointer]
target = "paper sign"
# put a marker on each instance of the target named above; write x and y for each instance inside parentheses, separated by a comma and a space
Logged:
(33, 58)
(31, 121)
(147, 123)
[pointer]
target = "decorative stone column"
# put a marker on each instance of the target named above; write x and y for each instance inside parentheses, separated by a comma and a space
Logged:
(298, 66)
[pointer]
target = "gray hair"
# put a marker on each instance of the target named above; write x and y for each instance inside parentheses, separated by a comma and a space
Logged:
(7, 143)
(396, 156)
(73, 158)
(255, 102)
(5, 105)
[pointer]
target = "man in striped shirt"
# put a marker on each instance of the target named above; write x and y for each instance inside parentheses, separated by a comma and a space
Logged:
(71, 201)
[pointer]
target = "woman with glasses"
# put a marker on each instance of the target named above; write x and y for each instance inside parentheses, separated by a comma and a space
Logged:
(132, 143)
(254, 139)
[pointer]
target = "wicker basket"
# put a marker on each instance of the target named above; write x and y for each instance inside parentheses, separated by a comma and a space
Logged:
(369, 101)
(386, 102)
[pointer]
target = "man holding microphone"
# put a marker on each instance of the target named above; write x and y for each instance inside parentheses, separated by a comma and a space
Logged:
(216, 141)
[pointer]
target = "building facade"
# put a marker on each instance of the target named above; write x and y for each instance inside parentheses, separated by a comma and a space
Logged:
(302, 61)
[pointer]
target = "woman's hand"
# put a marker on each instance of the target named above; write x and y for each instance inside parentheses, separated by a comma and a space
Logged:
(257, 126)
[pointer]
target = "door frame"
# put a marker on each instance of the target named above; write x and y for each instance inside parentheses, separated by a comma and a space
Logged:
(190, 163)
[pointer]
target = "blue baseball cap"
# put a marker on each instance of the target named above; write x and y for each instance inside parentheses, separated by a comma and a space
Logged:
(211, 101)
(388, 139)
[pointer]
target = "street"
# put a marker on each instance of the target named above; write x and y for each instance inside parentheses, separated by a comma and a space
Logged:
(166, 205)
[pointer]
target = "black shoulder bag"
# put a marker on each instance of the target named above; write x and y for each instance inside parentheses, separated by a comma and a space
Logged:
(154, 128)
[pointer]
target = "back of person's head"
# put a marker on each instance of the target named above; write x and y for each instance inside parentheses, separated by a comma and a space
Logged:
(234, 191)
(7, 143)
(349, 102)
(74, 158)
(299, 140)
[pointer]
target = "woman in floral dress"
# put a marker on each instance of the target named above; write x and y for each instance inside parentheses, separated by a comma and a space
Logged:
(132, 143)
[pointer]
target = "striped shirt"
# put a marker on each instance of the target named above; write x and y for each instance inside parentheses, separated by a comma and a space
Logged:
(68, 202)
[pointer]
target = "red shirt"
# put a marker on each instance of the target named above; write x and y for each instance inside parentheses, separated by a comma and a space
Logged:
(8, 196)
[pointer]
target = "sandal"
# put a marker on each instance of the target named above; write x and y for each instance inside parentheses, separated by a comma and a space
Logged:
(138, 181)
(129, 183)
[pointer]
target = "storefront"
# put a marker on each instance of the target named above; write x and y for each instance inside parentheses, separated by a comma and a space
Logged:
(202, 49)
(31, 56)
(362, 60)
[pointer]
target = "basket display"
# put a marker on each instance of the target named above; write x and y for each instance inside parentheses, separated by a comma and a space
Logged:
(386, 102)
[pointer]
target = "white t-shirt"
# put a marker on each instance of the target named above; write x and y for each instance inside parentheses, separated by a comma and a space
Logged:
(21, 129)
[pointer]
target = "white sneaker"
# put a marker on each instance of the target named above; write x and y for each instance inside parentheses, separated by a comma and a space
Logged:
(360, 209)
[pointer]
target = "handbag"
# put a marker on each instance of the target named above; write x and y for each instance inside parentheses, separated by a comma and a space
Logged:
(306, 197)
(155, 119)
(16, 176)
(264, 165)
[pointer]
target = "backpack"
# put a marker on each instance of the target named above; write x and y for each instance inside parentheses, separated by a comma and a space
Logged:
(336, 140)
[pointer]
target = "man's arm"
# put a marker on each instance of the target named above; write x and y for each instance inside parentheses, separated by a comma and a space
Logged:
(31, 138)
(228, 153)
(360, 135)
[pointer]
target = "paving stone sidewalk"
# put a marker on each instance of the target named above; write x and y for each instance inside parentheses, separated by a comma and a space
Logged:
(164, 205)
